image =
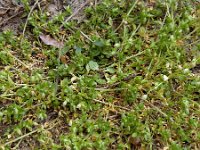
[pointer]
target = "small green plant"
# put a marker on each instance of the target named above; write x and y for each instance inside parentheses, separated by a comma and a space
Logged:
(126, 77)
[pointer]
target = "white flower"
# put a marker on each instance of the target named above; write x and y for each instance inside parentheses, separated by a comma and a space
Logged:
(70, 123)
(186, 70)
(117, 45)
(165, 78)
(74, 78)
(79, 106)
(144, 97)
(167, 65)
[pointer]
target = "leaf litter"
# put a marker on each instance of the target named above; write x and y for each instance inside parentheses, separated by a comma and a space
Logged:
(48, 40)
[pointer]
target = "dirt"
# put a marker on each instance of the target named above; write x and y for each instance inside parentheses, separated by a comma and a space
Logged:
(13, 15)
(10, 13)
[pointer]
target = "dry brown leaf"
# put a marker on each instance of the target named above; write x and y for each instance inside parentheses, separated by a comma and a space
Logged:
(136, 142)
(50, 41)
(2, 12)
(52, 10)
(64, 59)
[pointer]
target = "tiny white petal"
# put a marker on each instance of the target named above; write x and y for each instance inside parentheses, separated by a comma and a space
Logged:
(70, 123)
(180, 67)
(79, 106)
(144, 97)
(165, 78)
(117, 45)
(167, 65)
(64, 103)
(186, 70)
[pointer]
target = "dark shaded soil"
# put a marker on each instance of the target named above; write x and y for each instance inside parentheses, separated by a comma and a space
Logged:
(13, 14)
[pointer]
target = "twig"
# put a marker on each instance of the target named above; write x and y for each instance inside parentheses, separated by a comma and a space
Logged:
(26, 135)
(21, 137)
(57, 78)
(163, 22)
(82, 33)
(105, 103)
(160, 111)
(17, 145)
(19, 60)
(127, 15)
(109, 90)
(133, 6)
(7, 98)
(128, 78)
(188, 36)
(13, 16)
(29, 17)
(76, 12)
(7, 8)
(86, 36)
(133, 56)
(133, 33)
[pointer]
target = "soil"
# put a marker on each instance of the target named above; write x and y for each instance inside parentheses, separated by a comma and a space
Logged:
(12, 12)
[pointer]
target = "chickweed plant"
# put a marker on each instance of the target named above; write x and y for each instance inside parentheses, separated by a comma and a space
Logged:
(127, 77)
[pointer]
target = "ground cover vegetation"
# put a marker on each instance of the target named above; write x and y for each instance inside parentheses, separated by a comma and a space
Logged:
(124, 77)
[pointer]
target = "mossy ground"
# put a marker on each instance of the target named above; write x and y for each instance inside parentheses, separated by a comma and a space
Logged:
(126, 78)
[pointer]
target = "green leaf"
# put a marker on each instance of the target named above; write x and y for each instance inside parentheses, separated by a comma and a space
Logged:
(92, 65)
(78, 49)
(99, 43)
